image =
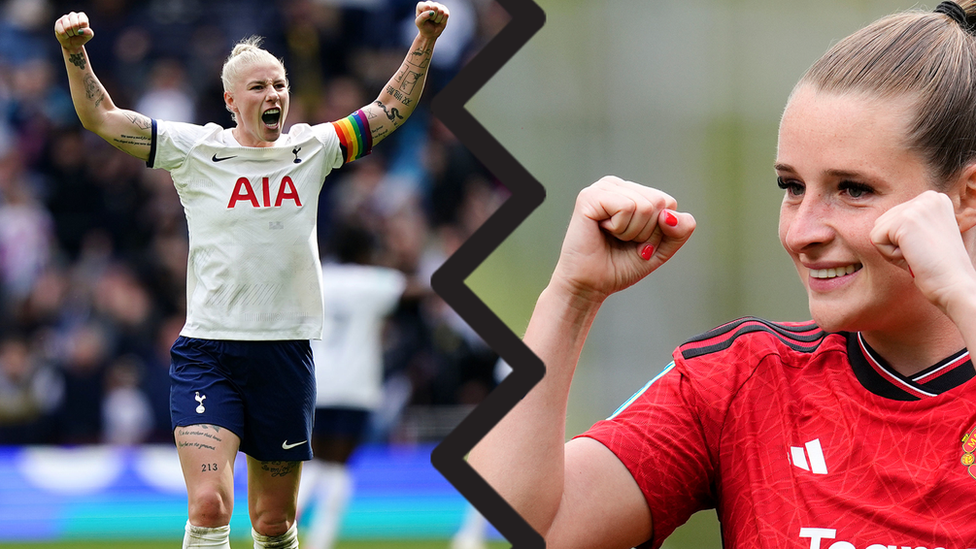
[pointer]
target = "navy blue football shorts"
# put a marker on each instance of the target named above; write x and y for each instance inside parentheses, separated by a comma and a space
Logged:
(262, 391)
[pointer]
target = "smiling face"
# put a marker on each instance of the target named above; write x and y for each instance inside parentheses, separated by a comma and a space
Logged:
(259, 100)
(843, 161)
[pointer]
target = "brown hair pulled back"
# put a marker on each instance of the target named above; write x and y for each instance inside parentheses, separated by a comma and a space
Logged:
(925, 57)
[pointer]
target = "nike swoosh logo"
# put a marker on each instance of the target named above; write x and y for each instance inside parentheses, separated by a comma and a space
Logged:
(215, 159)
(286, 446)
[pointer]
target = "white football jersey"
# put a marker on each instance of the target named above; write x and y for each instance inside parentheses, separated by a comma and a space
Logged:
(349, 359)
(253, 270)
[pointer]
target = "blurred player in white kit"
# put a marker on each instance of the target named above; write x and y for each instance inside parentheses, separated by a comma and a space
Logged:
(358, 297)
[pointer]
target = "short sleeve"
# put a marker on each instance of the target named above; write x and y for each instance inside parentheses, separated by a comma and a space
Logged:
(326, 134)
(659, 436)
(173, 141)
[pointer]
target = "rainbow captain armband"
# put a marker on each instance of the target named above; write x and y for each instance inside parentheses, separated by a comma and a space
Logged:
(354, 136)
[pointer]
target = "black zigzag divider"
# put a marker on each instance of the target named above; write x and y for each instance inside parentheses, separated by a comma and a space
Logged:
(526, 194)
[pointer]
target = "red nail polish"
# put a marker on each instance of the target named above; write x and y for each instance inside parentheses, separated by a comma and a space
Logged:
(670, 219)
(647, 251)
(910, 272)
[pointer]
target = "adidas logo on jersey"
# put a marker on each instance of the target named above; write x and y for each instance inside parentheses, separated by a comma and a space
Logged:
(809, 457)
(244, 192)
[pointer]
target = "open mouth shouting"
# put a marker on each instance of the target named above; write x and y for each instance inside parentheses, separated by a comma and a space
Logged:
(271, 118)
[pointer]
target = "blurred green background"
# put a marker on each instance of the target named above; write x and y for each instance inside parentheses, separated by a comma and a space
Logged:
(684, 96)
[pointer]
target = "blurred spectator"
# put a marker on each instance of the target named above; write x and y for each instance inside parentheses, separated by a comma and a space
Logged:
(127, 415)
(168, 96)
(26, 232)
(46, 304)
(24, 32)
(124, 307)
(84, 361)
(37, 109)
(155, 381)
(29, 391)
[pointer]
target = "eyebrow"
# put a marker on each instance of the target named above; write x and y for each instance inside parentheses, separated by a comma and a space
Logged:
(832, 173)
(275, 81)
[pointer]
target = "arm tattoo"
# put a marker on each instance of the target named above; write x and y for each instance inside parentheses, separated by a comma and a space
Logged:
(379, 133)
(407, 79)
(133, 140)
(420, 58)
(410, 81)
(93, 89)
(78, 60)
(398, 95)
(139, 121)
(393, 114)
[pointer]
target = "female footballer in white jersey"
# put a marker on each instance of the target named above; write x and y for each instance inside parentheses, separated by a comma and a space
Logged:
(242, 373)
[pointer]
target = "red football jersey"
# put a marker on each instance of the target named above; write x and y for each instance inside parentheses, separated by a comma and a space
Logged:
(803, 439)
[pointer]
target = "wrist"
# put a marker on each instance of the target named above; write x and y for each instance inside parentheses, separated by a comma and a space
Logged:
(559, 326)
(424, 40)
(582, 302)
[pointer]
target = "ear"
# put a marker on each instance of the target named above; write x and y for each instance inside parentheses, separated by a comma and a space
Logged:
(229, 102)
(963, 196)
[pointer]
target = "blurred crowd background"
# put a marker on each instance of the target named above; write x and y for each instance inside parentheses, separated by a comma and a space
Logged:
(93, 245)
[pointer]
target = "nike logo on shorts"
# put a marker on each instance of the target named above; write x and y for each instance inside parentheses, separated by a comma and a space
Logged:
(286, 446)
(215, 159)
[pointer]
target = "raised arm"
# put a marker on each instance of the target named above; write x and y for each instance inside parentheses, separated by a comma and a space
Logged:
(578, 494)
(127, 130)
(398, 99)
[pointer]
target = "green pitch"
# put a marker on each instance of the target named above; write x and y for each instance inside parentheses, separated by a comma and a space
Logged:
(700, 532)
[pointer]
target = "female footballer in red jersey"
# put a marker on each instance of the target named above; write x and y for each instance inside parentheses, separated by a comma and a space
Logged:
(242, 373)
(854, 430)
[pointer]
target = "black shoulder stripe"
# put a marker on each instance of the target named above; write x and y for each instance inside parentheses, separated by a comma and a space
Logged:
(794, 331)
(804, 337)
(152, 146)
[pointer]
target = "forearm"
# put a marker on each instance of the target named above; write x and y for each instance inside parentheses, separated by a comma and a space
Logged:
(399, 98)
(523, 457)
(962, 311)
(90, 99)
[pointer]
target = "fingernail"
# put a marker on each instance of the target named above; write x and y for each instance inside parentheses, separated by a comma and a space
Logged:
(670, 219)
(910, 272)
(647, 251)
